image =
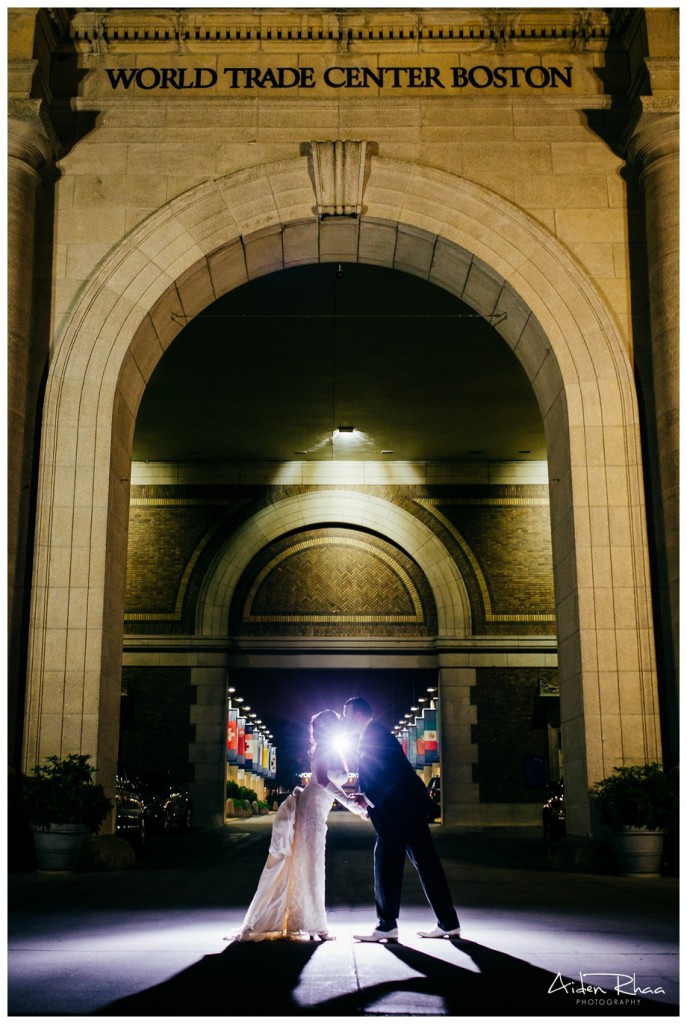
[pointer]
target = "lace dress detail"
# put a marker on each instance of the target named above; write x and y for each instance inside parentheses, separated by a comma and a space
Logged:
(289, 900)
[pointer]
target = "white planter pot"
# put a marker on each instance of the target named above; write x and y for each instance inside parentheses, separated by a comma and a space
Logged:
(59, 847)
(638, 851)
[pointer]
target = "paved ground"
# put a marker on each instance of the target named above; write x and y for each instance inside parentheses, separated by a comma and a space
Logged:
(148, 941)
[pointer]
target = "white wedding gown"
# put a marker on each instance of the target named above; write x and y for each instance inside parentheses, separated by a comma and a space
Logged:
(289, 900)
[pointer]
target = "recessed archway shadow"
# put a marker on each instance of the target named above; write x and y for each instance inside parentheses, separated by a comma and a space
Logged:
(250, 978)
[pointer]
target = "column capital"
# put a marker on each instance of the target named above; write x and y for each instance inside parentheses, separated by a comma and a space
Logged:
(654, 131)
(27, 138)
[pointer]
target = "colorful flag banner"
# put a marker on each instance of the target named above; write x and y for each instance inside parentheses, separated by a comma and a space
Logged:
(232, 736)
(412, 745)
(431, 736)
(257, 752)
(248, 739)
(241, 741)
(420, 742)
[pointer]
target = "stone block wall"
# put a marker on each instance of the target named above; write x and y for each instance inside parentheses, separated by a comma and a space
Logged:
(129, 150)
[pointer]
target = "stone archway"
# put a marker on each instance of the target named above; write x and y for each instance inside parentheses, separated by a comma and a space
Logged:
(361, 510)
(350, 508)
(457, 235)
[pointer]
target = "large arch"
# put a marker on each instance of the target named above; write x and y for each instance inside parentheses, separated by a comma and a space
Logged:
(454, 233)
(356, 509)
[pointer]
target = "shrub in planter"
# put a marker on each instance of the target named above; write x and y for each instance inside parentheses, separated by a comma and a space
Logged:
(639, 796)
(639, 804)
(63, 805)
(62, 791)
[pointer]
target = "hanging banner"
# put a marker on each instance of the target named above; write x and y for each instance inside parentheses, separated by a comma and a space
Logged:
(412, 745)
(431, 738)
(273, 761)
(420, 742)
(257, 751)
(248, 763)
(404, 741)
(259, 756)
(241, 741)
(232, 736)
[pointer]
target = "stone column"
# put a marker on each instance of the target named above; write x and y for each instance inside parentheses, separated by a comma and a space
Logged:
(654, 147)
(207, 752)
(457, 715)
(28, 151)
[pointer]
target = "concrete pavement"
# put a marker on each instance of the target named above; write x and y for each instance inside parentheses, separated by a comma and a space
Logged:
(148, 941)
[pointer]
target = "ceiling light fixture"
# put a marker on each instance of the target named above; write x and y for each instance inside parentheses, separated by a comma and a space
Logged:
(346, 435)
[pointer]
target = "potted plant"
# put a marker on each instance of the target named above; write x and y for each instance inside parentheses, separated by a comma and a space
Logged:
(638, 804)
(63, 806)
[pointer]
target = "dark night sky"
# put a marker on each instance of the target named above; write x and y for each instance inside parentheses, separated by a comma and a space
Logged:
(286, 699)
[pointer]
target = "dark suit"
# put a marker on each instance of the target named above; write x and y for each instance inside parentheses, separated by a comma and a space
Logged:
(399, 815)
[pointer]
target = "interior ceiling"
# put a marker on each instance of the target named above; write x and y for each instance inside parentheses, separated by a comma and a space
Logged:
(272, 369)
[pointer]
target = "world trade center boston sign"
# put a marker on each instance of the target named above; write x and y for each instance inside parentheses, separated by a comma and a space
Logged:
(338, 76)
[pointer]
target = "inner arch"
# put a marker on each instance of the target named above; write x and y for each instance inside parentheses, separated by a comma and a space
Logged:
(271, 369)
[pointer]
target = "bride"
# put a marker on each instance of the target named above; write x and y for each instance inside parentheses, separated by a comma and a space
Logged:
(289, 901)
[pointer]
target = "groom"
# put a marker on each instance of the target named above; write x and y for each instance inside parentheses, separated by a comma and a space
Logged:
(398, 804)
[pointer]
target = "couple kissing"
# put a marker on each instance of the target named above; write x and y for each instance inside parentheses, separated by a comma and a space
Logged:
(289, 901)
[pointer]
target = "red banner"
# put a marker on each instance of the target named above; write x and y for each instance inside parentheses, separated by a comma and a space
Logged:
(241, 740)
(232, 736)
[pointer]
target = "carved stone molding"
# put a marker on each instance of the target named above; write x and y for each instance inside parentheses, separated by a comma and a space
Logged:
(121, 28)
(652, 137)
(28, 145)
(338, 170)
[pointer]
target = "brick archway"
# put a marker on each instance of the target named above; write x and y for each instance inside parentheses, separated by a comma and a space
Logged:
(361, 510)
(455, 234)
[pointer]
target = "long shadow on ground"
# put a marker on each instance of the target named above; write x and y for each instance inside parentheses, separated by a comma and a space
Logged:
(249, 978)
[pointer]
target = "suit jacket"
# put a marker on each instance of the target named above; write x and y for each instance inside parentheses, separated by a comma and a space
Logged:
(388, 779)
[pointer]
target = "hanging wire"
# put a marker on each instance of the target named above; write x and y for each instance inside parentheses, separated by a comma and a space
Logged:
(492, 318)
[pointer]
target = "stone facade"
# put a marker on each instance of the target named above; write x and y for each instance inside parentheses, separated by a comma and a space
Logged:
(525, 161)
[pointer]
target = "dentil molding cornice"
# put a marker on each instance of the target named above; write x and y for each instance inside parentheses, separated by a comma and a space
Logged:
(164, 29)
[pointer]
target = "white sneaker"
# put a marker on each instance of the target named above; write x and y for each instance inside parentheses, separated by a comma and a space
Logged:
(378, 936)
(441, 933)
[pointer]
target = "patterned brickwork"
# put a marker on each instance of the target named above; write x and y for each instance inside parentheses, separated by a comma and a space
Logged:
(498, 536)
(513, 556)
(333, 581)
(173, 533)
